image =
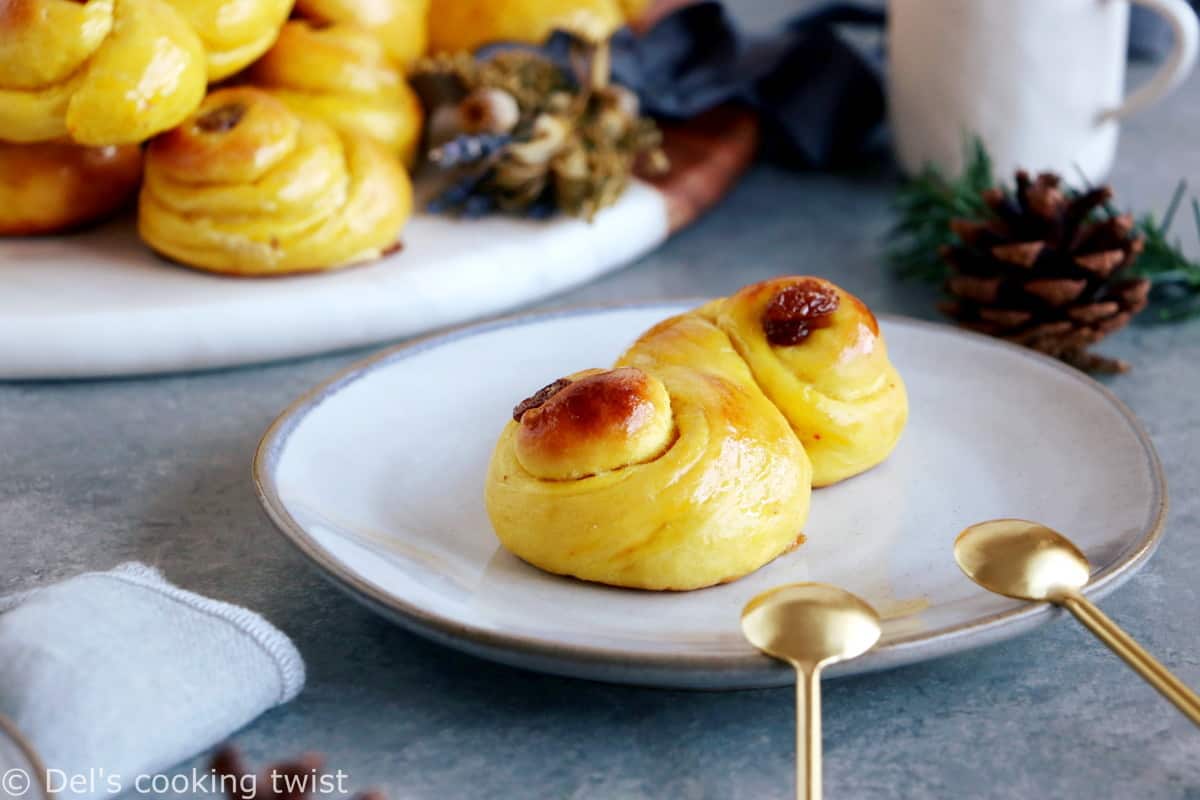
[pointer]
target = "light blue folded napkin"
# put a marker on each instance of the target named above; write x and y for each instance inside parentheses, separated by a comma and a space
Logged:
(123, 674)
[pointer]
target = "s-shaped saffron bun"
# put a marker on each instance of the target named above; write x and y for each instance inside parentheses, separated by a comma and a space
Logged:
(692, 461)
(48, 187)
(100, 72)
(819, 356)
(246, 186)
(233, 32)
(341, 74)
(672, 480)
(402, 25)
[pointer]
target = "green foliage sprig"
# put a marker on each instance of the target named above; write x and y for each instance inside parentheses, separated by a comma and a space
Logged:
(927, 203)
(1174, 278)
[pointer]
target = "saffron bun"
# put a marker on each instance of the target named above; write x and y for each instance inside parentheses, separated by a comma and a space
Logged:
(402, 25)
(817, 353)
(634, 9)
(342, 74)
(247, 186)
(692, 461)
(100, 72)
(468, 24)
(674, 480)
(234, 32)
(48, 187)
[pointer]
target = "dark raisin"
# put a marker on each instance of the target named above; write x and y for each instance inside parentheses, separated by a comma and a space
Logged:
(221, 119)
(539, 398)
(798, 310)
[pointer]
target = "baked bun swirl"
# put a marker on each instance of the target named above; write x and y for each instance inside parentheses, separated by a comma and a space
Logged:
(671, 479)
(54, 186)
(341, 74)
(817, 353)
(692, 461)
(233, 32)
(99, 72)
(400, 24)
(246, 186)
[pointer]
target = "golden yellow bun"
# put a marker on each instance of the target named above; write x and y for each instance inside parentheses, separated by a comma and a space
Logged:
(599, 420)
(53, 186)
(817, 353)
(400, 24)
(233, 32)
(246, 186)
(100, 72)
(468, 24)
(634, 9)
(664, 477)
(691, 462)
(341, 74)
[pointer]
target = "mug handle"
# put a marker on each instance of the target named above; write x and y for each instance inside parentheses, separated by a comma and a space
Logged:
(1183, 57)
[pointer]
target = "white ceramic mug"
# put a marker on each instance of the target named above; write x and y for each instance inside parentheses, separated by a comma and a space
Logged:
(1041, 82)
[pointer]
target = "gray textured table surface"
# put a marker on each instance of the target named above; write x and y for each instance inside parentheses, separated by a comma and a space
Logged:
(94, 473)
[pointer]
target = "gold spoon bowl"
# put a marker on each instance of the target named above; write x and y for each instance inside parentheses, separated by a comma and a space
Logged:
(810, 626)
(1028, 561)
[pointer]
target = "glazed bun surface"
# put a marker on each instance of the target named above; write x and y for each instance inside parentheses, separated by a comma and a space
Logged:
(817, 353)
(692, 461)
(49, 187)
(402, 25)
(234, 32)
(247, 186)
(340, 73)
(468, 24)
(593, 422)
(100, 72)
(708, 485)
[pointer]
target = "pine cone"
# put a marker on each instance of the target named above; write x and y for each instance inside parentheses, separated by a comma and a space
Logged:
(1047, 269)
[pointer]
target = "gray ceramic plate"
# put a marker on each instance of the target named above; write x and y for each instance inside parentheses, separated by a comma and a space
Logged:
(377, 477)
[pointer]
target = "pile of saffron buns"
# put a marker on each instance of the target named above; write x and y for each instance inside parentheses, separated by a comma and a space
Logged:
(256, 137)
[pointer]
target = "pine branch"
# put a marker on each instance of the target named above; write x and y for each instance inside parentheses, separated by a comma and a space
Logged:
(1175, 279)
(926, 205)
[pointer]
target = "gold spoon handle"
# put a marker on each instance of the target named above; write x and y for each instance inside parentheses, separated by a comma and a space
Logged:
(1132, 653)
(808, 733)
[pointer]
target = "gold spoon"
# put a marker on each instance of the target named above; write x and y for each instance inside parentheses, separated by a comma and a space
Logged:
(1028, 561)
(809, 625)
(22, 774)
